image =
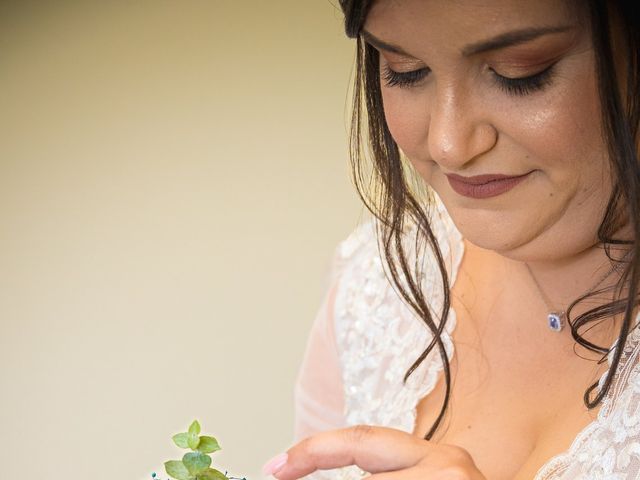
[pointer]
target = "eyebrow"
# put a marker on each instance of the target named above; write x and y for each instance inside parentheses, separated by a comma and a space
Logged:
(503, 40)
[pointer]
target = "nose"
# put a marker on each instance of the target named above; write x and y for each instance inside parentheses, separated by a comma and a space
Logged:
(459, 130)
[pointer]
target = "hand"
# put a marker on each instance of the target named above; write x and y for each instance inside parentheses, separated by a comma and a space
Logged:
(387, 453)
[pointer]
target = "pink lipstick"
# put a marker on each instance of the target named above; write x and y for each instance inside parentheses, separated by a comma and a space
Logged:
(484, 186)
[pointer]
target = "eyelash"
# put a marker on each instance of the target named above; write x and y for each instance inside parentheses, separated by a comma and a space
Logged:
(514, 86)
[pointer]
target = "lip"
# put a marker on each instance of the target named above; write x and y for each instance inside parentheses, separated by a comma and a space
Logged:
(484, 186)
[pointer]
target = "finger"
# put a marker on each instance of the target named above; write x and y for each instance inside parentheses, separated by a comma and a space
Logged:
(374, 449)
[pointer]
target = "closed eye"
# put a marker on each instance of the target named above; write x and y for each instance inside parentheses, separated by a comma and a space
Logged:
(525, 85)
(403, 79)
(518, 86)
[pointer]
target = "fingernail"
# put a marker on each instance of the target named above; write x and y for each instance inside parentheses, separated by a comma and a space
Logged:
(275, 464)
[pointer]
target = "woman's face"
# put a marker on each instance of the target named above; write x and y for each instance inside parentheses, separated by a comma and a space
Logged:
(502, 87)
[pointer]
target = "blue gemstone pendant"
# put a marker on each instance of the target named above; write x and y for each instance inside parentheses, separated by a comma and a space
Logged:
(556, 321)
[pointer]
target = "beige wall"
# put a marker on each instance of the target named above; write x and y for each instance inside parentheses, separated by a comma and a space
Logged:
(173, 180)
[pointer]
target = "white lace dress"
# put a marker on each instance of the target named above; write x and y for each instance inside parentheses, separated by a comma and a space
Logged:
(364, 339)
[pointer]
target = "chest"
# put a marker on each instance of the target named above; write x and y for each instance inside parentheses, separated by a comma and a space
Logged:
(516, 395)
(509, 427)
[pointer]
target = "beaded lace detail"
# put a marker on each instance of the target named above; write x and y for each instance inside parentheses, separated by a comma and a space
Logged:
(609, 447)
(379, 337)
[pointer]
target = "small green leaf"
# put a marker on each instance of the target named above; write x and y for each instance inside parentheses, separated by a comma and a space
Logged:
(181, 440)
(177, 469)
(193, 441)
(212, 474)
(194, 427)
(208, 445)
(196, 462)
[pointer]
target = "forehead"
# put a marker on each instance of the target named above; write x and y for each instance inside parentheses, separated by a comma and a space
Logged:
(451, 24)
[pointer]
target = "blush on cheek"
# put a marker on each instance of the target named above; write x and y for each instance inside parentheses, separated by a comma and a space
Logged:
(563, 133)
(411, 140)
(408, 124)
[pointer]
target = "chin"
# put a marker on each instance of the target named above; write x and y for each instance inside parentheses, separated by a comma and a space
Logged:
(490, 239)
(550, 228)
(515, 235)
(527, 244)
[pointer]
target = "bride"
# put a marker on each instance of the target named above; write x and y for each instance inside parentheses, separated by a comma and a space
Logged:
(482, 324)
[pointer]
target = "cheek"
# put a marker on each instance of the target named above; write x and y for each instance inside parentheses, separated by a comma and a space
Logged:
(561, 134)
(407, 116)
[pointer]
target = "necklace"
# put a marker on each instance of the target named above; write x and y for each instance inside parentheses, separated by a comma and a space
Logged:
(556, 319)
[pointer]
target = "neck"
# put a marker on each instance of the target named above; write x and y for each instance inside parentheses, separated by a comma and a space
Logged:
(562, 282)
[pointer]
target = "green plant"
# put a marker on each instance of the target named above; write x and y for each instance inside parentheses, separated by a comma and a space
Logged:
(196, 464)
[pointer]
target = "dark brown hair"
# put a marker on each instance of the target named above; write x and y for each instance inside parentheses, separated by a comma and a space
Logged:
(386, 188)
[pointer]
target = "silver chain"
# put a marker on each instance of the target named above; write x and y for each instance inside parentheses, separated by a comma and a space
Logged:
(615, 267)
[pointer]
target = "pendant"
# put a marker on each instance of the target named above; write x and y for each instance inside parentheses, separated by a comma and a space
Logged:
(556, 321)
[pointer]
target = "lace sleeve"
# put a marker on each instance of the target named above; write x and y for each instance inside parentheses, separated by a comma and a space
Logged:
(318, 392)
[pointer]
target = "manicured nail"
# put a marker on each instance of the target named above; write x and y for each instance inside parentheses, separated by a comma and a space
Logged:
(275, 464)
